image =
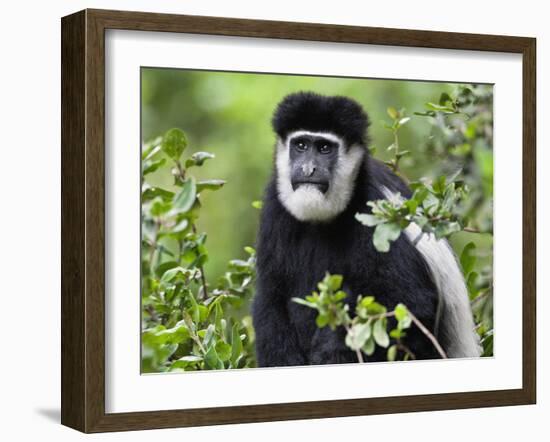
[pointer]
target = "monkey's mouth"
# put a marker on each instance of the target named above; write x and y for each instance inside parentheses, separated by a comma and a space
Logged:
(321, 186)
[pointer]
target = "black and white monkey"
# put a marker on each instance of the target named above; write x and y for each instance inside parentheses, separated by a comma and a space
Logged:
(323, 176)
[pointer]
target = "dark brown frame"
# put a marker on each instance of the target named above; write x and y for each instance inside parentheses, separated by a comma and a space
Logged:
(83, 216)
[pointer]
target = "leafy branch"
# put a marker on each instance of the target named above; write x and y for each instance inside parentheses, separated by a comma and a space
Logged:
(398, 121)
(369, 326)
(433, 207)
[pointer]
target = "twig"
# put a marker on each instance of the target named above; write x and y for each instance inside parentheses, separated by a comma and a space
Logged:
(405, 349)
(153, 245)
(481, 295)
(201, 268)
(181, 175)
(422, 328)
(471, 230)
(431, 337)
(396, 160)
(181, 171)
(396, 146)
(152, 313)
(189, 324)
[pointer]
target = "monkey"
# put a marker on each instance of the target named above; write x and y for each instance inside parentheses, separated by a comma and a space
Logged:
(323, 175)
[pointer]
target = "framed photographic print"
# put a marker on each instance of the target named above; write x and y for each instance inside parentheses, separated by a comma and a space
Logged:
(270, 220)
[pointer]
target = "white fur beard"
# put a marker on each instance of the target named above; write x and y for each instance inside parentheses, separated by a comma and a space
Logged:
(307, 202)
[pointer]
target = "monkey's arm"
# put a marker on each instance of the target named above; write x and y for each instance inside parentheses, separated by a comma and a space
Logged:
(276, 339)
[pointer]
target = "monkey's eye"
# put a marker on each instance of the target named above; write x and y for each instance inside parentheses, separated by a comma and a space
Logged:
(301, 146)
(325, 148)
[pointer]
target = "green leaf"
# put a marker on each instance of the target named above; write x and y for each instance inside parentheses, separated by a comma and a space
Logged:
(304, 302)
(380, 333)
(257, 204)
(203, 312)
(334, 282)
(163, 336)
(159, 207)
(176, 273)
(174, 143)
(401, 312)
(439, 184)
(468, 258)
(484, 160)
(402, 315)
(162, 268)
(404, 120)
(181, 226)
(198, 159)
(339, 295)
(185, 362)
(358, 335)
(384, 234)
(223, 350)
(210, 185)
(185, 198)
(420, 194)
(445, 228)
(153, 166)
(425, 114)
(236, 344)
(191, 358)
(411, 205)
(152, 192)
(392, 112)
(439, 108)
(321, 320)
(366, 301)
(150, 149)
(444, 98)
(209, 335)
(369, 346)
(402, 153)
(397, 333)
(487, 343)
(392, 353)
(471, 283)
(368, 219)
(212, 359)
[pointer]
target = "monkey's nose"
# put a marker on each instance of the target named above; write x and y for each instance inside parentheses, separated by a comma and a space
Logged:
(308, 169)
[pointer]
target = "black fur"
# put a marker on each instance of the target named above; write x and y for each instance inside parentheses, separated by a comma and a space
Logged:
(313, 112)
(293, 257)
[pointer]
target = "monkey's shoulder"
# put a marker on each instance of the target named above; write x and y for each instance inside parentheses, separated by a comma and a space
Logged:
(380, 177)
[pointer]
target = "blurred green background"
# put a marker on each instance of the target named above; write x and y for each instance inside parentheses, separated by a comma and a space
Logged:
(229, 114)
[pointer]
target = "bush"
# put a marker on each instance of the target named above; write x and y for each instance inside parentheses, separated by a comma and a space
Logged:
(187, 323)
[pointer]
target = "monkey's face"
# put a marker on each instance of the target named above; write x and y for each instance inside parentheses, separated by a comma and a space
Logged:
(316, 174)
(312, 159)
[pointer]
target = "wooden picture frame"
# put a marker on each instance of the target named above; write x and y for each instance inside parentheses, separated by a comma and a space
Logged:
(83, 219)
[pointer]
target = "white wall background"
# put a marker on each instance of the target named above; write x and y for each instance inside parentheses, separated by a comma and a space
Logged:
(30, 215)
